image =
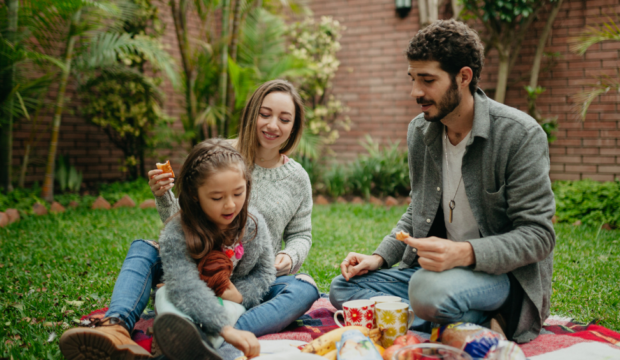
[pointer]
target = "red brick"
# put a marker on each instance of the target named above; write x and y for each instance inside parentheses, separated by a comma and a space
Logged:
(566, 159)
(582, 151)
(582, 133)
(615, 151)
(598, 159)
(580, 168)
(609, 169)
(599, 142)
(598, 177)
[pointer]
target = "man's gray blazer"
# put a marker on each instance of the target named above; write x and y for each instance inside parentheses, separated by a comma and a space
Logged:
(506, 176)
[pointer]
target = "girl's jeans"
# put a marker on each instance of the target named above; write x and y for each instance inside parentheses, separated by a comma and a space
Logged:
(288, 298)
(454, 295)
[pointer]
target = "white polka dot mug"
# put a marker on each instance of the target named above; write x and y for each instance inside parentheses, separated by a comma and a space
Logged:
(357, 313)
(394, 318)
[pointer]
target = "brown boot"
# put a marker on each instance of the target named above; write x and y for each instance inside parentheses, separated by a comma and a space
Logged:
(103, 341)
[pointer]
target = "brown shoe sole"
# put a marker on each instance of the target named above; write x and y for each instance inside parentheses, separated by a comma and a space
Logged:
(179, 339)
(90, 344)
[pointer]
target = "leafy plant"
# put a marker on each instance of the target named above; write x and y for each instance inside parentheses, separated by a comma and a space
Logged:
(127, 106)
(93, 38)
(138, 190)
(506, 23)
(67, 175)
(336, 181)
(383, 171)
(606, 31)
(316, 44)
(549, 125)
(588, 201)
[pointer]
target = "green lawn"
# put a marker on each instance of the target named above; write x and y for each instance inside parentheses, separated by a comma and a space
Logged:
(58, 267)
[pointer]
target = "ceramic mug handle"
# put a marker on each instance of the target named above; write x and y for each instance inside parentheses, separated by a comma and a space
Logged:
(411, 318)
(336, 318)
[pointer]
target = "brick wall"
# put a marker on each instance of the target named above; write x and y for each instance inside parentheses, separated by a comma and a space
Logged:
(373, 83)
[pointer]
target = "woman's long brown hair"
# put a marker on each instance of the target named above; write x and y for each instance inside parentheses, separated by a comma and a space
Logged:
(201, 234)
(248, 139)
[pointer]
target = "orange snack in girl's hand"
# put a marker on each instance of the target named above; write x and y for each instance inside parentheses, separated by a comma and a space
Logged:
(401, 236)
(165, 167)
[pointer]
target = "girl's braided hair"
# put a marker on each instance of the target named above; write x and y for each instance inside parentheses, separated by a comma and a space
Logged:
(201, 234)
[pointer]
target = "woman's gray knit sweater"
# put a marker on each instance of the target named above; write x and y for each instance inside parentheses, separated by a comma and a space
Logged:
(283, 196)
(252, 276)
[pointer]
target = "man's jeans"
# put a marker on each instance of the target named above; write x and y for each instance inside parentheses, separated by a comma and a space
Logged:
(444, 297)
(288, 298)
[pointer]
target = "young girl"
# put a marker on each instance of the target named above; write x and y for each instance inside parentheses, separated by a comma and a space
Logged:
(214, 185)
(270, 128)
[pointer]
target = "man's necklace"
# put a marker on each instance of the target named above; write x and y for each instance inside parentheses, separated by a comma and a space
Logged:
(452, 204)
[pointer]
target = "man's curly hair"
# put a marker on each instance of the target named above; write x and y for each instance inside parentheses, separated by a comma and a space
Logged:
(451, 43)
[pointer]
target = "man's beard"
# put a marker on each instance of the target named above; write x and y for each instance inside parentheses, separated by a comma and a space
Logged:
(447, 104)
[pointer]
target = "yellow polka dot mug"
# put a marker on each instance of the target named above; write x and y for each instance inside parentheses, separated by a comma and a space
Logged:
(394, 318)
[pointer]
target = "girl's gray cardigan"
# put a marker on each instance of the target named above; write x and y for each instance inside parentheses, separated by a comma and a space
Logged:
(252, 276)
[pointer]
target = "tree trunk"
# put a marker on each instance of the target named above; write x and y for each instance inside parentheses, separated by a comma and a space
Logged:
(423, 13)
(234, 40)
(48, 185)
(457, 7)
(179, 17)
(6, 130)
(502, 75)
(540, 49)
(433, 10)
(224, 70)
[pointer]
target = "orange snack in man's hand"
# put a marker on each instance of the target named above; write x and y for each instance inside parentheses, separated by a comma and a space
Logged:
(401, 235)
(165, 167)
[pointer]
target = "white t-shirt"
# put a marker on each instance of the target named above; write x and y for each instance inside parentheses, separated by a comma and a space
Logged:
(464, 225)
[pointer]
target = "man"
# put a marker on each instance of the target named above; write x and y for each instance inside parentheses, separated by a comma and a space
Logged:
(481, 237)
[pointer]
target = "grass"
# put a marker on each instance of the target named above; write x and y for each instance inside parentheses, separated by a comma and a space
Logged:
(58, 267)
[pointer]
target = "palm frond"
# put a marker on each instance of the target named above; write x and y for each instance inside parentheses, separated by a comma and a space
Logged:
(309, 145)
(105, 48)
(595, 34)
(584, 99)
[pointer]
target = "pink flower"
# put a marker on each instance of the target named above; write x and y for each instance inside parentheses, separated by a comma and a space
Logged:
(239, 251)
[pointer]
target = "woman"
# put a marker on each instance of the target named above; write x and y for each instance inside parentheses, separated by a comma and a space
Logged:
(271, 126)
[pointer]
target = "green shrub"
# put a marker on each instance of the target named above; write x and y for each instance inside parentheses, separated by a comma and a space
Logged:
(384, 171)
(589, 201)
(336, 181)
(22, 199)
(138, 190)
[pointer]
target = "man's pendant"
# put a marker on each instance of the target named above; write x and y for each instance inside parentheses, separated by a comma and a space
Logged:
(452, 206)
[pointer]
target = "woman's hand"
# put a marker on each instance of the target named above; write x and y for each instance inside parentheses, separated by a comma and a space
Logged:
(283, 264)
(232, 294)
(160, 182)
(245, 341)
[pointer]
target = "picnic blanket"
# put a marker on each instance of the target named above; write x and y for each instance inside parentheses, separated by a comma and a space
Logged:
(557, 334)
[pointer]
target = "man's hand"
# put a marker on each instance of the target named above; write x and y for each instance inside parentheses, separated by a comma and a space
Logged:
(359, 264)
(438, 254)
(283, 264)
(245, 341)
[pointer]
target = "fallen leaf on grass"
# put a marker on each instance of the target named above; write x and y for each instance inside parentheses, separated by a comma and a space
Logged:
(51, 337)
(18, 306)
(75, 302)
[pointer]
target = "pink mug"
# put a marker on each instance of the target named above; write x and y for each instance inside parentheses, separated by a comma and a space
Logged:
(357, 313)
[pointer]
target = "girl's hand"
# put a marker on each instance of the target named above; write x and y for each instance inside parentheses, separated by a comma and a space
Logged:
(283, 264)
(232, 294)
(245, 341)
(160, 182)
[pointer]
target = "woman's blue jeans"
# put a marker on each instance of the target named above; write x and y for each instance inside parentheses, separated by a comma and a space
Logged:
(459, 294)
(288, 298)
